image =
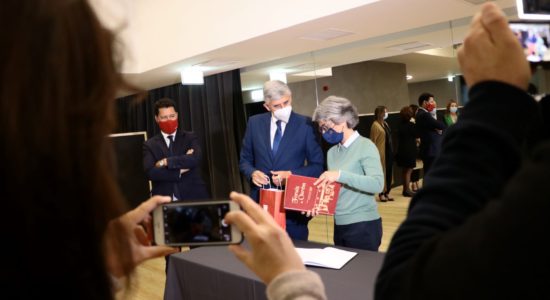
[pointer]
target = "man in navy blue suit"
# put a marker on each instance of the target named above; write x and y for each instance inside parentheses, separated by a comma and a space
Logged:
(172, 158)
(279, 143)
(429, 129)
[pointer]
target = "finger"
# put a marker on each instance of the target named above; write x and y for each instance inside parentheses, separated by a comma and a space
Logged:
(139, 213)
(241, 253)
(251, 208)
(243, 222)
(158, 251)
(141, 236)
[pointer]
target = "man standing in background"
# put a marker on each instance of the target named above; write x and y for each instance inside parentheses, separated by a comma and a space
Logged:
(429, 129)
(279, 143)
(172, 158)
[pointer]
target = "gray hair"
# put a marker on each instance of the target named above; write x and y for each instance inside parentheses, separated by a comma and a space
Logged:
(275, 90)
(337, 110)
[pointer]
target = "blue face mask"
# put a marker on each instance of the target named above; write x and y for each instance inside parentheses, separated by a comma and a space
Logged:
(332, 137)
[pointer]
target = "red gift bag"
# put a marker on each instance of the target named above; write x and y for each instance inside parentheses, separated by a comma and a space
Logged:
(272, 200)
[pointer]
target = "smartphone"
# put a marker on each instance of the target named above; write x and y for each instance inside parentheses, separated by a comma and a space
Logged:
(534, 37)
(195, 224)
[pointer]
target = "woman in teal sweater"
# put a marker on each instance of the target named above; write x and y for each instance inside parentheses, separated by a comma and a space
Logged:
(355, 163)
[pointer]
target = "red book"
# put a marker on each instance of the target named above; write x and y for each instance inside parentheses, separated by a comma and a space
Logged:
(302, 195)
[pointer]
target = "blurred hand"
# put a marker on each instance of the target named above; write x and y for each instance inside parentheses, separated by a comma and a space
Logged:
(138, 239)
(492, 52)
(327, 177)
(280, 177)
(311, 213)
(183, 171)
(272, 250)
(259, 178)
(163, 163)
(190, 151)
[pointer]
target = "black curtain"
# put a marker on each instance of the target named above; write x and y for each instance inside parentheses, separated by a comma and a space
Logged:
(213, 111)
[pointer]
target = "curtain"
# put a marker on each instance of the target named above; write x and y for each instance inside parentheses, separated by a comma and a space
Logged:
(213, 111)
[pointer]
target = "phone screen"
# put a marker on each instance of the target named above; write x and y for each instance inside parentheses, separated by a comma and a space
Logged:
(197, 223)
(534, 38)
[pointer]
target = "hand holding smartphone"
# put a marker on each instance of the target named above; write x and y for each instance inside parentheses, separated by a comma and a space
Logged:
(195, 224)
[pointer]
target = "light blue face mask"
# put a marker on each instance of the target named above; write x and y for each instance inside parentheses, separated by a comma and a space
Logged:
(453, 109)
(332, 137)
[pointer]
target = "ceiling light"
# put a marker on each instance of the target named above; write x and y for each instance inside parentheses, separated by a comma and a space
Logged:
(277, 75)
(450, 78)
(409, 77)
(409, 46)
(325, 35)
(316, 73)
(257, 95)
(192, 76)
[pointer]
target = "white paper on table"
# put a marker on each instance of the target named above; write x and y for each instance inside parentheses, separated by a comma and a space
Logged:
(328, 257)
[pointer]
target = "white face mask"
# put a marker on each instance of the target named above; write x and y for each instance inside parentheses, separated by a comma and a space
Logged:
(385, 116)
(454, 109)
(283, 114)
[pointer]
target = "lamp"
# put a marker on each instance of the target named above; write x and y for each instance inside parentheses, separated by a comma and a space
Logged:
(277, 75)
(192, 75)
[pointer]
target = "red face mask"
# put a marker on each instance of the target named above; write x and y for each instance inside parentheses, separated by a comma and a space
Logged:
(430, 106)
(168, 126)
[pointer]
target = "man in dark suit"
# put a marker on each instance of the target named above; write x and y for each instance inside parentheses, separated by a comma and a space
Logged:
(279, 143)
(172, 158)
(429, 129)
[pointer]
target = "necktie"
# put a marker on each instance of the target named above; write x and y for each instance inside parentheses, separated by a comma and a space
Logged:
(170, 145)
(277, 137)
(176, 194)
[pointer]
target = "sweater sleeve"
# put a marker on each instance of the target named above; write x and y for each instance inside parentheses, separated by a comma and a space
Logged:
(296, 285)
(465, 236)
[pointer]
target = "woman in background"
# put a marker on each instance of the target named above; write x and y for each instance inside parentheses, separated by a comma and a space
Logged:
(62, 204)
(415, 175)
(451, 113)
(354, 162)
(380, 135)
(406, 148)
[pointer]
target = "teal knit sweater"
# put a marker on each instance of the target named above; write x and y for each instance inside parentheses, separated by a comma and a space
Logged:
(361, 177)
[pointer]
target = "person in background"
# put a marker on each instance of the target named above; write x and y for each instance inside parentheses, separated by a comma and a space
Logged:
(65, 222)
(279, 143)
(485, 190)
(172, 158)
(380, 135)
(451, 113)
(406, 148)
(429, 129)
(415, 174)
(354, 162)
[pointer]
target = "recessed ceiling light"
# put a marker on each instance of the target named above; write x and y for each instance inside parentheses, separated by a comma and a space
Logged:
(409, 46)
(326, 35)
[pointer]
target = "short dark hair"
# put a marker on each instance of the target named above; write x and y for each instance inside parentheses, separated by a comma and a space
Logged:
(164, 103)
(424, 97)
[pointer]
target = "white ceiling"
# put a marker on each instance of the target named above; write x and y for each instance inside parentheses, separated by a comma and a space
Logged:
(376, 28)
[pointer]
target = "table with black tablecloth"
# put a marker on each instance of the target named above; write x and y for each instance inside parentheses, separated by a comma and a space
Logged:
(215, 273)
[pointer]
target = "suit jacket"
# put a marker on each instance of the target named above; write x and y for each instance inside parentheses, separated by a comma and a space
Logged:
(165, 180)
(430, 140)
(299, 145)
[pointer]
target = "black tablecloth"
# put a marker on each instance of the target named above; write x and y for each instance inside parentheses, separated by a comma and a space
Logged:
(215, 273)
